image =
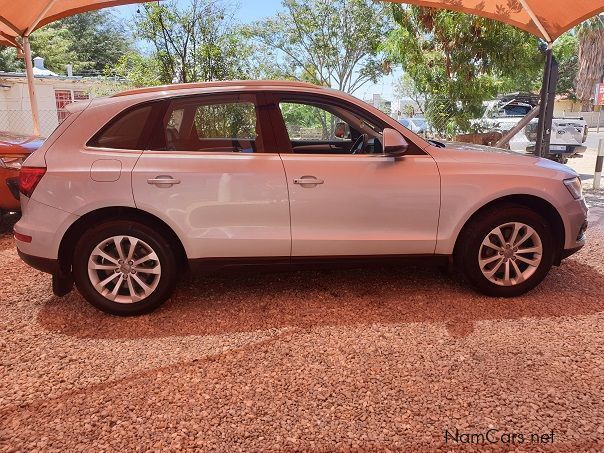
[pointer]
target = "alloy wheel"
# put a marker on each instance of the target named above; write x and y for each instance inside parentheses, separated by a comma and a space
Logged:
(124, 269)
(510, 254)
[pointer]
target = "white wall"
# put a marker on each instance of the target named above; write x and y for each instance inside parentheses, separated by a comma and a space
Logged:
(15, 109)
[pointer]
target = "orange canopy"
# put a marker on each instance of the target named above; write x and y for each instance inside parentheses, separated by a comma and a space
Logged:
(547, 19)
(21, 17)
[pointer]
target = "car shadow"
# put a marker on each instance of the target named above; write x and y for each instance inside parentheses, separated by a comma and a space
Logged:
(242, 302)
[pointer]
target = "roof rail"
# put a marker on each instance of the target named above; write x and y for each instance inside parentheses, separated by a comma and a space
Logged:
(225, 83)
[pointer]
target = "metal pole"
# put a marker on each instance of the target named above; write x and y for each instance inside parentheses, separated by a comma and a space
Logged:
(29, 70)
(599, 164)
(543, 101)
(548, 94)
(505, 139)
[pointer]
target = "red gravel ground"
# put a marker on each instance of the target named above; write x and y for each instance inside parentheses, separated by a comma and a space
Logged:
(346, 360)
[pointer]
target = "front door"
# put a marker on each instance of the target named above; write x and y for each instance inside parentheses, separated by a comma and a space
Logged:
(208, 177)
(345, 204)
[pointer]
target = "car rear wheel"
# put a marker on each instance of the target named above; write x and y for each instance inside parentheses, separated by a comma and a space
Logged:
(506, 251)
(124, 268)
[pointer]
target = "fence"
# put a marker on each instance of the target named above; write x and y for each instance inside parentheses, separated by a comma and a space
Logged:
(53, 95)
(20, 122)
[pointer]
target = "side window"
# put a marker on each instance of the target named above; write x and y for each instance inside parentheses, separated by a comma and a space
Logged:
(198, 124)
(325, 128)
(124, 131)
(306, 122)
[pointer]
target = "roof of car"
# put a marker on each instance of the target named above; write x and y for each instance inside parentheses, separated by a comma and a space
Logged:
(226, 83)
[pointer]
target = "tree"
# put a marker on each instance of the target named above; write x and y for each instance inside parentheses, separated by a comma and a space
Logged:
(565, 51)
(197, 42)
(8, 59)
(137, 70)
(327, 42)
(406, 88)
(91, 41)
(590, 59)
(458, 61)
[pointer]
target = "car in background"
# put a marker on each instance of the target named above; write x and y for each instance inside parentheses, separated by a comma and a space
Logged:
(14, 149)
(131, 191)
(501, 115)
(416, 124)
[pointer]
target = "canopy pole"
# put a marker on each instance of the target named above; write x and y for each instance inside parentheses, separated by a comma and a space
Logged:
(29, 70)
(548, 95)
(536, 21)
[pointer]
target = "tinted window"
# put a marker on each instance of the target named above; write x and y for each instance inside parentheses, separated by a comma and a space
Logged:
(202, 125)
(123, 132)
(516, 110)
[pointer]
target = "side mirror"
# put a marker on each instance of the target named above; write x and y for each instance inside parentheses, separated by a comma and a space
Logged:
(394, 142)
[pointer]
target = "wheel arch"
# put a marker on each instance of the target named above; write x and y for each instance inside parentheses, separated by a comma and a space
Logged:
(70, 238)
(535, 203)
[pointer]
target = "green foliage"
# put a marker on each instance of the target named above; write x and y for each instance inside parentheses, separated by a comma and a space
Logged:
(565, 51)
(197, 42)
(327, 42)
(91, 42)
(8, 60)
(138, 70)
(458, 61)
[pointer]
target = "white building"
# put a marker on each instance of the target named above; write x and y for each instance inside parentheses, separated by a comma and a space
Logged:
(53, 93)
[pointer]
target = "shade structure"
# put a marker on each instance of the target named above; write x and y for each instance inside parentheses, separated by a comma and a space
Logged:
(19, 18)
(547, 19)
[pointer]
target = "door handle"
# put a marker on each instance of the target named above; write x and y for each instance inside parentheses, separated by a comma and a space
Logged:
(163, 181)
(308, 180)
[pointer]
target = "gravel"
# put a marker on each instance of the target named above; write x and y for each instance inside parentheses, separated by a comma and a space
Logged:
(344, 360)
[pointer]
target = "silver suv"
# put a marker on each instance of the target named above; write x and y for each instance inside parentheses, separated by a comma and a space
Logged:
(131, 190)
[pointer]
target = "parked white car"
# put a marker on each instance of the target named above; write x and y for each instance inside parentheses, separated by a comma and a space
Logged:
(131, 190)
(416, 124)
(568, 134)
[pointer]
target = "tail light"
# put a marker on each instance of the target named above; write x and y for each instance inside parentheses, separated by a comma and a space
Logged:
(29, 177)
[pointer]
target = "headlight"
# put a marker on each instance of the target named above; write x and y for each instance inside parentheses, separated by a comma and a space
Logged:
(11, 162)
(574, 187)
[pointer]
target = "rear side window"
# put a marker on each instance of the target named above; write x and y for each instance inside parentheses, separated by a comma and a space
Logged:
(226, 123)
(125, 130)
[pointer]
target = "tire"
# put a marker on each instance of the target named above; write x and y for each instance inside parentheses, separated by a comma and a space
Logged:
(146, 280)
(476, 257)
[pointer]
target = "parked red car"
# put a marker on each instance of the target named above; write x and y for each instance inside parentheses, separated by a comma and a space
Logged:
(14, 149)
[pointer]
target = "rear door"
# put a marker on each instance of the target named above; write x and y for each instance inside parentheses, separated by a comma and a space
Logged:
(206, 174)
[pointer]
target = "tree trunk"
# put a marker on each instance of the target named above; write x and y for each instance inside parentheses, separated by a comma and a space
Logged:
(591, 64)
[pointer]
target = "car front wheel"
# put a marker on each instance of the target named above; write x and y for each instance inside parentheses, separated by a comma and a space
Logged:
(124, 268)
(506, 251)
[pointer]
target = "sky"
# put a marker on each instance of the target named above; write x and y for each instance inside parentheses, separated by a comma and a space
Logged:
(251, 10)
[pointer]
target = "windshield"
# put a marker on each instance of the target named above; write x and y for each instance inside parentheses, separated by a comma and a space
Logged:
(420, 122)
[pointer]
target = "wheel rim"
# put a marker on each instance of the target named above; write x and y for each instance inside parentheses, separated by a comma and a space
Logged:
(510, 254)
(124, 269)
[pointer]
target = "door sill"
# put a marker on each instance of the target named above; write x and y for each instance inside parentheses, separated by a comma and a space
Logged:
(312, 262)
